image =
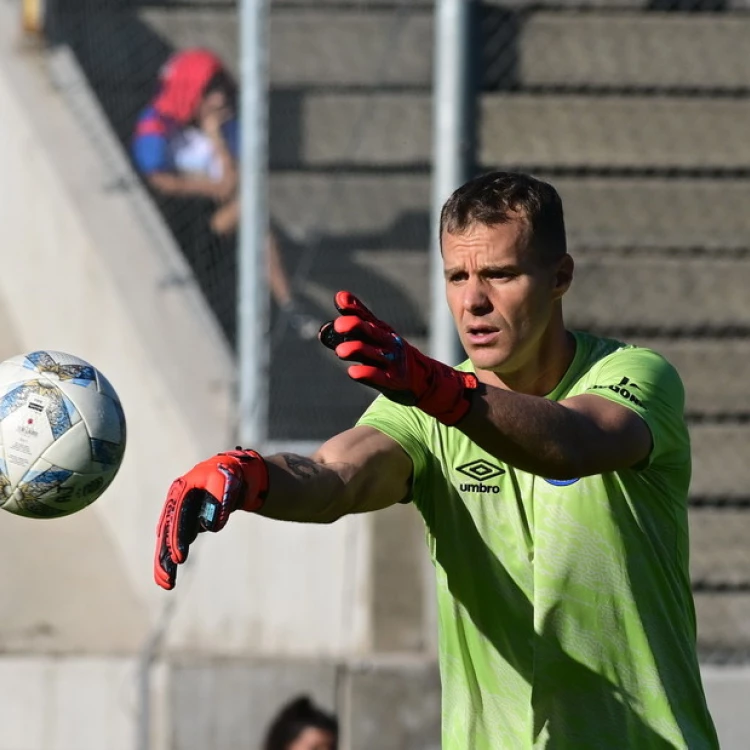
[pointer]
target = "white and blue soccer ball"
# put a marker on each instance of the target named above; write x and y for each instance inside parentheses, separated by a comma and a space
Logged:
(62, 434)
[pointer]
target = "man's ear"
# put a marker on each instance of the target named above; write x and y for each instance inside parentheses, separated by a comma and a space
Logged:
(563, 275)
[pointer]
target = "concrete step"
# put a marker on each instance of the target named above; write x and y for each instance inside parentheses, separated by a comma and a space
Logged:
(519, 131)
(331, 46)
(667, 293)
(622, 132)
(316, 129)
(719, 553)
(346, 207)
(212, 25)
(345, 210)
(651, 6)
(628, 49)
(720, 460)
(317, 47)
(656, 212)
(723, 622)
(687, 5)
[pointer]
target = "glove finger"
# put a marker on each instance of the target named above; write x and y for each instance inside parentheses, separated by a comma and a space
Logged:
(328, 336)
(165, 570)
(347, 304)
(359, 351)
(185, 525)
(354, 327)
(381, 380)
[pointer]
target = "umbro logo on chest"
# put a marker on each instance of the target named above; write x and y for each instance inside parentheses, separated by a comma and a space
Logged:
(480, 471)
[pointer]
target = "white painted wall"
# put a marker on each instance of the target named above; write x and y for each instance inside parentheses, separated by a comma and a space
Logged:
(67, 704)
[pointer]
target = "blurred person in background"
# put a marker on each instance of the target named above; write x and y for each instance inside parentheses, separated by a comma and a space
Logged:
(301, 725)
(552, 471)
(186, 145)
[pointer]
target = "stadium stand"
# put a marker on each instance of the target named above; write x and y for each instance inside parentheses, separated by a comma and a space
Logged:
(637, 112)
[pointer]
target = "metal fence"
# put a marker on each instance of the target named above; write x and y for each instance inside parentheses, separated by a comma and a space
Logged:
(637, 111)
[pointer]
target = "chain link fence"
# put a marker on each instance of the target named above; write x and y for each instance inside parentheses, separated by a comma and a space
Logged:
(637, 111)
(349, 198)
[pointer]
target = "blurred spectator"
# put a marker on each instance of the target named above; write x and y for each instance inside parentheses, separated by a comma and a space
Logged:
(186, 144)
(300, 725)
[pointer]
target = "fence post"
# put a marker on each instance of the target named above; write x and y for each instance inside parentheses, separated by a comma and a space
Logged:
(252, 289)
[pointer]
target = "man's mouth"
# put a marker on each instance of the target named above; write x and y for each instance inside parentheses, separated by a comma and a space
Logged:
(482, 334)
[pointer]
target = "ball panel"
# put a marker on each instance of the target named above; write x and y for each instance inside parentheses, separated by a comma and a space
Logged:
(72, 451)
(35, 509)
(25, 427)
(42, 480)
(105, 453)
(5, 482)
(105, 387)
(98, 411)
(50, 492)
(61, 366)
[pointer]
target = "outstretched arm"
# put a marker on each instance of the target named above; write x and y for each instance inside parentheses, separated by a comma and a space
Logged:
(583, 435)
(357, 471)
(577, 437)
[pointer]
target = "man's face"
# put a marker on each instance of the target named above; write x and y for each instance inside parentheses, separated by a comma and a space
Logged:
(216, 103)
(313, 738)
(501, 295)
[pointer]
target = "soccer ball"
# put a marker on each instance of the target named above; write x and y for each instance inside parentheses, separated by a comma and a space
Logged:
(62, 434)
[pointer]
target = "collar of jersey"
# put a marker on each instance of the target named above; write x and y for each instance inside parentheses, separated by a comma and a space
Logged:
(570, 376)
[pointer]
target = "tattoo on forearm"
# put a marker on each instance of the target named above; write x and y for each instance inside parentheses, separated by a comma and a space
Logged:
(301, 467)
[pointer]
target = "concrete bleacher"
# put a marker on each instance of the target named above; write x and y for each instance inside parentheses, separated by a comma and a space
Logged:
(639, 117)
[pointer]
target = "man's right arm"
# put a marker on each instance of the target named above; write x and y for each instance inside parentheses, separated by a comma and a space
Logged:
(357, 471)
(187, 186)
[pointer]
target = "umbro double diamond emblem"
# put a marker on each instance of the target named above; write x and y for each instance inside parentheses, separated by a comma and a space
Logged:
(481, 471)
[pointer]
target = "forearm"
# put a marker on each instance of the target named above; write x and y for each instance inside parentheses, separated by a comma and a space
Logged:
(530, 433)
(183, 185)
(357, 471)
(306, 490)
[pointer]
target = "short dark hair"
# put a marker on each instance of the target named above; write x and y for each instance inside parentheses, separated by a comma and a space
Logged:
(224, 82)
(294, 718)
(491, 198)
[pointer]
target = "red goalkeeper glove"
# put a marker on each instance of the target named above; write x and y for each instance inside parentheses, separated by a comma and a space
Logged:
(393, 366)
(202, 500)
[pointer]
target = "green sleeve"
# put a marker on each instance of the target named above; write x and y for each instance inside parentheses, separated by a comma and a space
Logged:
(649, 385)
(405, 424)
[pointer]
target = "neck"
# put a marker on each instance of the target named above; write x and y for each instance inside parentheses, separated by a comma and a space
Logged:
(542, 370)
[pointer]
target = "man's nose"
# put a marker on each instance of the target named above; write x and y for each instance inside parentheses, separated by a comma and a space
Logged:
(476, 300)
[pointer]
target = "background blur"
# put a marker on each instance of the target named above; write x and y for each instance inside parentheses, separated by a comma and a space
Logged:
(637, 111)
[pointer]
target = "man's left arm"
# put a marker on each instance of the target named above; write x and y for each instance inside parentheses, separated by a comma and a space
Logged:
(598, 431)
(579, 436)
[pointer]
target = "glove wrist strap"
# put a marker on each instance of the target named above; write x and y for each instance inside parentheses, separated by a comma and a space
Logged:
(450, 400)
(255, 473)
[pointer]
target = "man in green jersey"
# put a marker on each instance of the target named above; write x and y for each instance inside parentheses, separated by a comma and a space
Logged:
(551, 470)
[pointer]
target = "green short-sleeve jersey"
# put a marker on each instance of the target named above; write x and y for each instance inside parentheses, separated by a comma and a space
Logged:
(565, 610)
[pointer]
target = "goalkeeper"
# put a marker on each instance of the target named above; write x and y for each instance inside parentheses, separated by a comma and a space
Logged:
(552, 472)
